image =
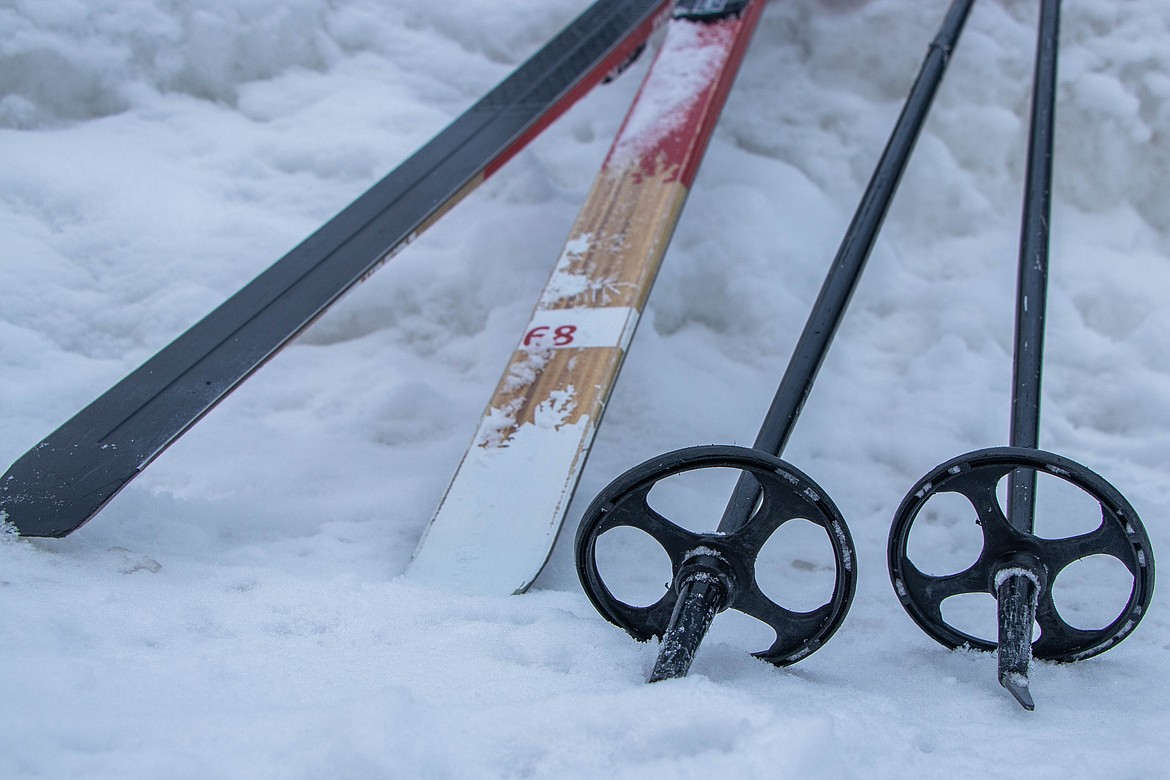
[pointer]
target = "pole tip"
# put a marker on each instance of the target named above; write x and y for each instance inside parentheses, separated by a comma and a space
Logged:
(1017, 686)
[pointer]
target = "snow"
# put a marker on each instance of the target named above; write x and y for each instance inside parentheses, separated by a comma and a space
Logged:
(239, 610)
(1002, 575)
(691, 58)
(563, 282)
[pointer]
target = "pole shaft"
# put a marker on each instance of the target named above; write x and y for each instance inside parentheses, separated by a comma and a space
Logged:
(1016, 595)
(1032, 284)
(849, 263)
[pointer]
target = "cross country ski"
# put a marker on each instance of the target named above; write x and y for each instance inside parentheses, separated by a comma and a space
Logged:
(69, 476)
(497, 522)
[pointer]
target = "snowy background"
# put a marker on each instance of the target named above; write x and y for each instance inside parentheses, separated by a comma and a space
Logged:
(239, 611)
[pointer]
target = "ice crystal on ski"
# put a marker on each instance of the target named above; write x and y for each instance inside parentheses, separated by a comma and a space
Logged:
(573, 277)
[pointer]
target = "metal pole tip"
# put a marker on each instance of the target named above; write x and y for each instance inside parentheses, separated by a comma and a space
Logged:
(1017, 685)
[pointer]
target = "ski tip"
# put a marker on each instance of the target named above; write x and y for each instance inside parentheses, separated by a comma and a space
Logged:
(47, 494)
(1017, 686)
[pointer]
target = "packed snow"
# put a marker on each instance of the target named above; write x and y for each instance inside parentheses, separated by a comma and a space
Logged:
(239, 611)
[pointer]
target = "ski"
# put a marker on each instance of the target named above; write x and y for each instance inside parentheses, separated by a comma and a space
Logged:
(499, 518)
(68, 477)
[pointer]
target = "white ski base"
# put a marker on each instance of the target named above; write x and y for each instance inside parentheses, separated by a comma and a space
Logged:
(504, 491)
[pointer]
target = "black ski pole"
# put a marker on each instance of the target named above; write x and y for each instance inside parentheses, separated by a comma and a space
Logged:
(1016, 593)
(1015, 566)
(716, 571)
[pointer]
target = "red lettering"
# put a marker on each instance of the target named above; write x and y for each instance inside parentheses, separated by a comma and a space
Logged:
(562, 336)
(535, 334)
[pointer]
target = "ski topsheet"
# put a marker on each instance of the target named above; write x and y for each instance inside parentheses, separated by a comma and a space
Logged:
(67, 478)
(499, 518)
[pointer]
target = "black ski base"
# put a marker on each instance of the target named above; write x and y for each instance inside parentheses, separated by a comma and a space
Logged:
(68, 477)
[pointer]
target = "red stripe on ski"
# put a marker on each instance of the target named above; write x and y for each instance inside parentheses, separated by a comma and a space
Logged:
(618, 57)
(681, 102)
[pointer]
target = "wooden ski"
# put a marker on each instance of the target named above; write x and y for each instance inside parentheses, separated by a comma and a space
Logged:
(499, 518)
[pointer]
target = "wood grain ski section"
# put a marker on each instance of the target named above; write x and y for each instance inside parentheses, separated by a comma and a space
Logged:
(500, 516)
(624, 231)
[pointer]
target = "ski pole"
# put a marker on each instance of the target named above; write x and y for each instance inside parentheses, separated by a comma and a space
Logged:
(1016, 566)
(716, 571)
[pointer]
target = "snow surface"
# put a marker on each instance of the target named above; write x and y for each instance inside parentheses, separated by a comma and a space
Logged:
(239, 611)
(691, 60)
